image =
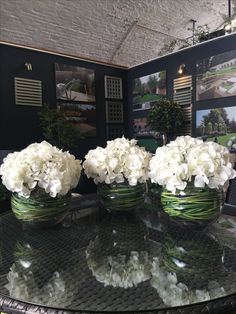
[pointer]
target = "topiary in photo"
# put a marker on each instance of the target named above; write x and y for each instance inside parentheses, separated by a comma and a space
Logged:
(166, 117)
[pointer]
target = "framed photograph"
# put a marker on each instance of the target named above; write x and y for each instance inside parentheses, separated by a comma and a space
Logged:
(74, 83)
(82, 116)
(219, 125)
(216, 76)
(148, 89)
(146, 137)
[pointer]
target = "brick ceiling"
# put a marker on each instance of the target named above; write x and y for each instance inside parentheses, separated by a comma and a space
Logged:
(122, 32)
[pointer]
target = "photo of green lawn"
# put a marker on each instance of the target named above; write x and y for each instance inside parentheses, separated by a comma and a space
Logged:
(216, 76)
(146, 137)
(218, 125)
(148, 89)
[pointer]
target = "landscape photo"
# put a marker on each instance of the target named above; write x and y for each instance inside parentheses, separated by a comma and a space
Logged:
(146, 137)
(216, 76)
(82, 116)
(219, 125)
(148, 89)
(74, 83)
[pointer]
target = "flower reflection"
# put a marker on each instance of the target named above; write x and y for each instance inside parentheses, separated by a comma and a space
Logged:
(33, 280)
(124, 271)
(176, 293)
(191, 262)
(194, 256)
(119, 255)
(22, 285)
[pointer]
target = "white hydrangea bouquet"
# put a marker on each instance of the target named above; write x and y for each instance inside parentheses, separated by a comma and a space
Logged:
(186, 167)
(120, 160)
(119, 169)
(40, 172)
(189, 159)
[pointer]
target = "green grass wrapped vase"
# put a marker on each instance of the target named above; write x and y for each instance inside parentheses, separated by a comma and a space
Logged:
(116, 197)
(194, 207)
(40, 209)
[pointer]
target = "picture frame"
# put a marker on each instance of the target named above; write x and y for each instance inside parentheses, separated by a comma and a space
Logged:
(148, 89)
(217, 124)
(75, 83)
(147, 138)
(82, 116)
(216, 76)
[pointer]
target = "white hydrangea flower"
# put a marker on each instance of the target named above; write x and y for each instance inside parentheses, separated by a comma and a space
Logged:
(43, 165)
(120, 160)
(188, 159)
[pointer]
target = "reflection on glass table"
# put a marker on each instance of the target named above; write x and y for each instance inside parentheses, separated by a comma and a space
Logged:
(135, 262)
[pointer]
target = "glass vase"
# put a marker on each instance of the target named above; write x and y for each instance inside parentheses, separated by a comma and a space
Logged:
(193, 207)
(40, 209)
(118, 197)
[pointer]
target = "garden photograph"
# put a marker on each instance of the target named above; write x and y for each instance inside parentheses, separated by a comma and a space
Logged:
(74, 83)
(218, 125)
(216, 76)
(148, 89)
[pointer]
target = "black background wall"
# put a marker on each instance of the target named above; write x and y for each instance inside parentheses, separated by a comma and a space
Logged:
(19, 124)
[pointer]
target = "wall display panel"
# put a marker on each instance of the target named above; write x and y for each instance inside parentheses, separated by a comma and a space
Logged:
(114, 131)
(28, 92)
(82, 116)
(148, 89)
(74, 83)
(114, 112)
(113, 87)
(219, 125)
(216, 76)
(146, 137)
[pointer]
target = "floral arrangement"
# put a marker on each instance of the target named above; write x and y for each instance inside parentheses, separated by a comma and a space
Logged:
(40, 165)
(120, 160)
(189, 159)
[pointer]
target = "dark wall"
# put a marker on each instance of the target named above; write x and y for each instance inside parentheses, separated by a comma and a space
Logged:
(19, 124)
(171, 63)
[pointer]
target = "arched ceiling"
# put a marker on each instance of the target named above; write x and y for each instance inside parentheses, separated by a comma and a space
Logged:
(121, 32)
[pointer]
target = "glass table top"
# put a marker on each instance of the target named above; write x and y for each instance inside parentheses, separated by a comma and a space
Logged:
(100, 262)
